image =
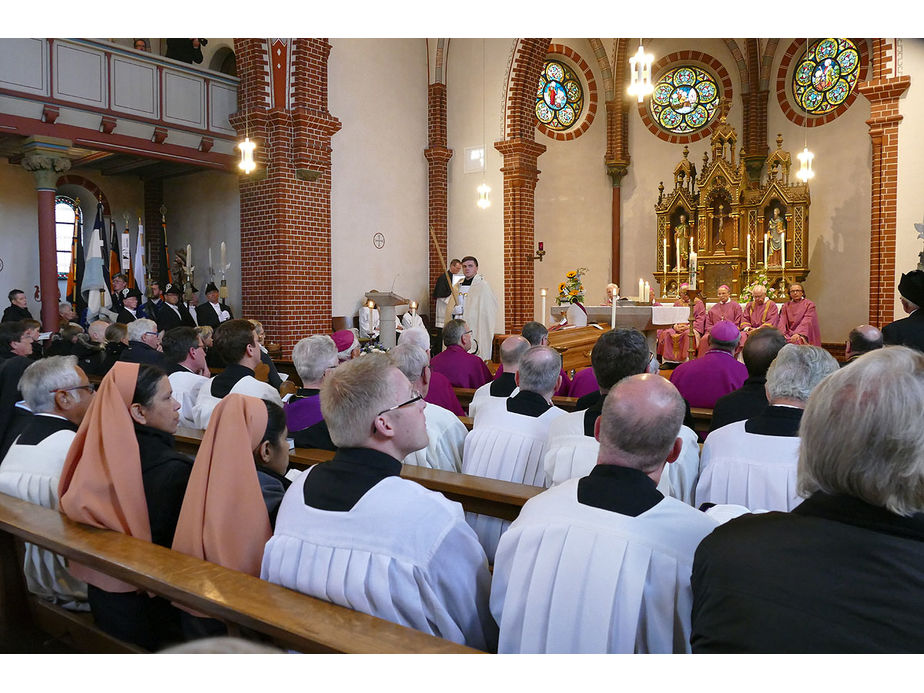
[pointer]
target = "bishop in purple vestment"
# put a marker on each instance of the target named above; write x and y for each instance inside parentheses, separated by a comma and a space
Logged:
(703, 380)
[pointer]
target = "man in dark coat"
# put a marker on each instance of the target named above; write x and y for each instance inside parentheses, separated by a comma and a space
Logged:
(909, 331)
(212, 312)
(173, 313)
(844, 571)
(151, 308)
(143, 343)
(17, 310)
(129, 312)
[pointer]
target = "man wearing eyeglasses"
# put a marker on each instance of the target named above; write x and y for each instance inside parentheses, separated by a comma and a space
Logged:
(143, 343)
(58, 393)
(353, 532)
(462, 368)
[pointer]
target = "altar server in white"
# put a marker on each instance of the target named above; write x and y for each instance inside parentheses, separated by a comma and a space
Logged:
(504, 385)
(507, 442)
(572, 448)
(58, 393)
(445, 430)
(753, 462)
(354, 533)
(184, 361)
(238, 345)
(602, 564)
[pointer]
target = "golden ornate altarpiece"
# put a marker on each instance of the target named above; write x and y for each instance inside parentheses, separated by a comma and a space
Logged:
(728, 221)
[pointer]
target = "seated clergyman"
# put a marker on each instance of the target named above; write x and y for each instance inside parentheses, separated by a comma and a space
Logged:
(352, 532)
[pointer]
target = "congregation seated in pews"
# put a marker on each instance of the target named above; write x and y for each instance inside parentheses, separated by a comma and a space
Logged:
(375, 525)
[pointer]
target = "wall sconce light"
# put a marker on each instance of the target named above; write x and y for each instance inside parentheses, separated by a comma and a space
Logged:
(540, 252)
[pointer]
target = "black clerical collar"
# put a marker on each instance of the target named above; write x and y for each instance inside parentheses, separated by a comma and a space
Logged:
(754, 383)
(42, 426)
(591, 414)
(619, 489)
(775, 421)
(504, 386)
(339, 484)
(171, 368)
(853, 511)
(528, 404)
(303, 393)
(467, 282)
(228, 378)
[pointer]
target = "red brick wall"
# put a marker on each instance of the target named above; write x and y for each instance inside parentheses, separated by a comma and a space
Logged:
(438, 156)
(521, 152)
(153, 229)
(883, 93)
(285, 205)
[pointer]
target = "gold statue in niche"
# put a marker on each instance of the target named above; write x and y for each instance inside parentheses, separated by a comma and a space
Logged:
(776, 227)
(681, 243)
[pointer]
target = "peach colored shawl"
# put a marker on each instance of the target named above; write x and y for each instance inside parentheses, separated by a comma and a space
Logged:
(101, 480)
(224, 518)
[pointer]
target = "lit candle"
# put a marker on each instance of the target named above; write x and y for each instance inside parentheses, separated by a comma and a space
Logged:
(413, 308)
(543, 293)
(665, 253)
(749, 251)
(641, 289)
(765, 251)
(613, 313)
(678, 252)
(692, 270)
(691, 245)
(540, 245)
(647, 298)
(224, 256)
(783, 250)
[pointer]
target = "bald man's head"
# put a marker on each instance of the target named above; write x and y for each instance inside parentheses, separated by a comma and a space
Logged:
(863, 339)
(97, 331)
(638, 428)
(511, 351)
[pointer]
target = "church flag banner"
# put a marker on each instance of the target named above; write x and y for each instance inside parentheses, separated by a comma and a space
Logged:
(93, 287)
(139, 269)
(75, 275)
(125, 255)
(166, 276)
(114, 245)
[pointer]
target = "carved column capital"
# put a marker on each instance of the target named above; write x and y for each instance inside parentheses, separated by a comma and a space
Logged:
(617, 170)
(46, 159)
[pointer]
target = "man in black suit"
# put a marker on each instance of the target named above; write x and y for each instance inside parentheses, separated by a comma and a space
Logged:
(152, 306)
(909, 331)
(173, 313)
(212, 313)
(129, 312)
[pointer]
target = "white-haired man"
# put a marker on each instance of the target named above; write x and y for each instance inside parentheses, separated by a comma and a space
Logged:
(461, 368)
(58, 393)
(844, 571)
(352, 532)
(507, 441)
(440, 391)
(753, 462)
(313, 357)
(602, 563)
(504, 385)
(444, 429)
(143, 343)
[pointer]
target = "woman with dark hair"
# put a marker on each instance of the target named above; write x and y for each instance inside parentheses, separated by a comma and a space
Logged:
(123, 473)
(234, 490)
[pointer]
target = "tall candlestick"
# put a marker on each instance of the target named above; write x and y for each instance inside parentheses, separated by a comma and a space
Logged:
(783, 251)
(678, 252)
(647, 298)
(613, 314)
(543, 293)
(749, 251)
(224, 256)
(641, 288)
(693, 270)
(665, 253)
(691, 244)
(765, 251)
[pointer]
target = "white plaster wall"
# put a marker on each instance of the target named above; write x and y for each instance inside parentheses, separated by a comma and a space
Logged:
(839, 216)
(910, 165)
(18, 235)
(204, 209)
(574, 202)
(378, 90)
(472, 230)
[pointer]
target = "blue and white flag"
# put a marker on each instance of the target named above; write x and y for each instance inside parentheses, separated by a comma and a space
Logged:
(94, 287)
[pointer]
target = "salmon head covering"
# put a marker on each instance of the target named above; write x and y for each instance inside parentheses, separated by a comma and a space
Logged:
(224, 518)
(101, 480)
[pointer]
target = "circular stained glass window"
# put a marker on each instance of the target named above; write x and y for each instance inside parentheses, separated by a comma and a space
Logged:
(684, 100)
(826, 75)
(560, 96)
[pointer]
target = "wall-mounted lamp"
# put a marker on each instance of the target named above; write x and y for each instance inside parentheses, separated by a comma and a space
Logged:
(540, 252)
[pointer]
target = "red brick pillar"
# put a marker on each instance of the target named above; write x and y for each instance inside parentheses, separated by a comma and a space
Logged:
(520, 176)
(883, 93)
(285, 204)
(153, 229)
(438, 156)
(617, 157)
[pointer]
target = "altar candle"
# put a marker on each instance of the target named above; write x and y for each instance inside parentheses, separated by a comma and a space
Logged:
(692, 270)
(613, 314)
(678, 252)
(665, 253)
(188, 255)
(641, 289)
(413, 307)
(224, 256)
(749, 251)
(210, 258)
(647, 298)
(783, 250)
(540, 245)
(691, 245)
(543, 293)
(765, 251)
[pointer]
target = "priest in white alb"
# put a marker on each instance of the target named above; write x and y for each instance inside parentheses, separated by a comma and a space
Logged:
(477, 305)
(602, 564)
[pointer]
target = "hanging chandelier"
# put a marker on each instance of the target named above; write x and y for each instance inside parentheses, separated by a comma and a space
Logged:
(247, 164)
(805, 172)
(640, 73)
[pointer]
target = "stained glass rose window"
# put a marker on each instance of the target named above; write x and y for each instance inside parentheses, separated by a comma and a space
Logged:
(826, 75)
(560, 96)
(685, 99)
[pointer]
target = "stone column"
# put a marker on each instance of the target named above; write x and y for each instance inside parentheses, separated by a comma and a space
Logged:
(616, 170)
(46, 159)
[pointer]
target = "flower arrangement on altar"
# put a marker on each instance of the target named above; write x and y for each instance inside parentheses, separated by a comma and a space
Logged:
(760, 277)
(572, 290)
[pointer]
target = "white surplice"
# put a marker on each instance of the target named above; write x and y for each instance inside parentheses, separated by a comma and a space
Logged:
(32, 472)
(509, 447)
(402, 553)
(481, 314)
(756, 471)
(571, 454)
(571, 578)
(483, 395)
(447, 436)
(186, 387)
(248, 385)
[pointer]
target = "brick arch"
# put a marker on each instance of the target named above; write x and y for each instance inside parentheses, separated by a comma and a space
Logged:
(783, 95)
(89, 185)
(590, 99)
(521, 153)
(701, 59)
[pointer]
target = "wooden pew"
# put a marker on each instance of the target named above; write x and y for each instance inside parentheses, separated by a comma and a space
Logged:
(501, 499)
(291, 619)
(702, 418)
(465, 398)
